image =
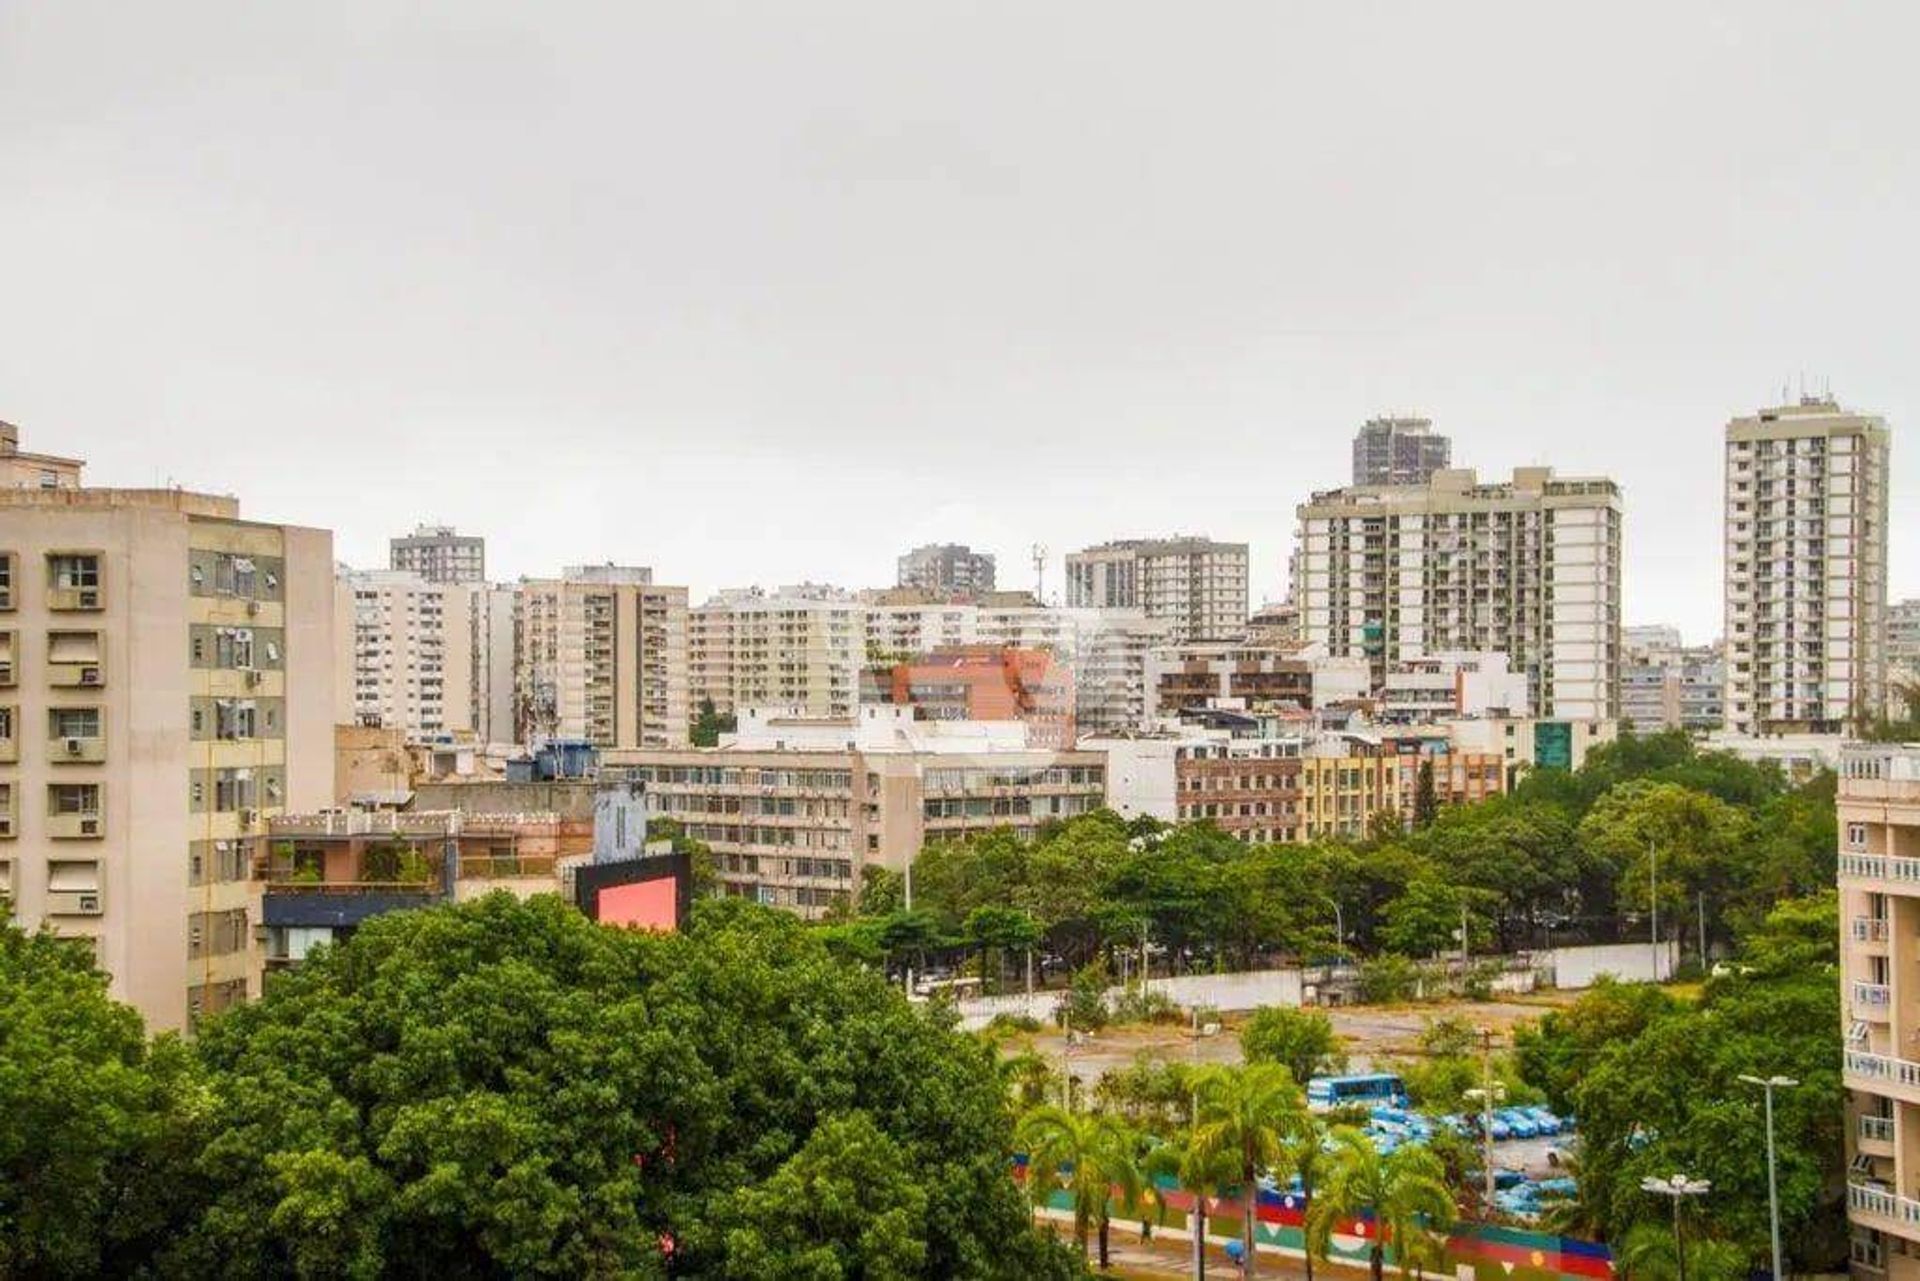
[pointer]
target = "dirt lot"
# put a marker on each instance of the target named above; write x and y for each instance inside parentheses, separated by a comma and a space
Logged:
(1370, 1032)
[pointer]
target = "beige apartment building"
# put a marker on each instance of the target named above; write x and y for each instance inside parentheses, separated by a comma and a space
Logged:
(1199, 585)
(405, 652)
(795, 806)
(1879, 819)
(1806, 569)
(166, 684)
(601, 655)
(1529, 568)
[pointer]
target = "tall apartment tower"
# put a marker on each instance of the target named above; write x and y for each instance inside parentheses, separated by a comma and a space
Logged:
(1806, 569)
(1399, 451)
(407, 653)
(1529, 568)
(439, 555)
(166, 684)
(1879, 821)
(799, 647)
(1196, 583)
(950, 569)
(602, 656)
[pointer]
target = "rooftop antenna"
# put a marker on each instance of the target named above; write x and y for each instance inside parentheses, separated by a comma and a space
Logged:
(1040, 572)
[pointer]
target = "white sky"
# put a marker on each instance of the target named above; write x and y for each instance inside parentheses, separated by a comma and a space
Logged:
(764, 292)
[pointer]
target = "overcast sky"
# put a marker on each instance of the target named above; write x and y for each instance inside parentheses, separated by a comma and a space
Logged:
(765, 292)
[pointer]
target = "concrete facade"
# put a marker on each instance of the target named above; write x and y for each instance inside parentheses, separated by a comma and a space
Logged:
(170, 674)
(405, 651)
(601, 655)
(1805, 569)
(1529, 568)
(440, 555)
(948, 569)
(1399, 451)
(1879, 878)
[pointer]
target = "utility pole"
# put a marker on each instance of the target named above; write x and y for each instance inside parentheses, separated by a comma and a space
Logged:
(909, 909)
(1703, 930)
(1486, 1116)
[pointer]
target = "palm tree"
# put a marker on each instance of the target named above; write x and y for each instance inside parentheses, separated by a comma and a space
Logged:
(1091, 1155)
(1404, 1192)
(1247, 1112)
(1200, 1172)
(1306, 1150)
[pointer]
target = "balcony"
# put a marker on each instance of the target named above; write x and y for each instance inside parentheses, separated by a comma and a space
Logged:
(1878, 867)
(1876, 1135)
(1873, 996)
(1872, 1207)
(1869, 929)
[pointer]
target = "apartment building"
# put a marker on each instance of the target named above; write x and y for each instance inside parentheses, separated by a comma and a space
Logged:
(795, 647)
(946, 569)
(1436, 686)
(1287, 790)
(1879, 821)
(1111, 651)
(1399, 451)
(166, 683)
(1667, 685)
(990, 683)
(1196, 583)
(20, 470)
(1806, 569)
(1199, 674)
(405, 651)
(601, 656)
(904, 624)
(440, 555)
(795, 807)
(323, 875)
(1529, 568)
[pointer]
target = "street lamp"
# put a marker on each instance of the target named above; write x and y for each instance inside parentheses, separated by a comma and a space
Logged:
(1768, 1084)
(1677, 1187)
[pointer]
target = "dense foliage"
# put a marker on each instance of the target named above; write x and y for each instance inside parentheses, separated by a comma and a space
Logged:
(1563, 858)
(505, 1088)
(1656, 1085)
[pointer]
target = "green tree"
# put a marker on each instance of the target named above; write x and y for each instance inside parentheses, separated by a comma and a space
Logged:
(505, 1087)
(1557, 1051)
(1651, 1253)
(1686, 845)
(1305, 1153)
(1425, 919)
(1247, 1112)
(845, 1205)
(710, 725)
(995, 931)
(1404, 1192)
(1302, 1041)
(1426, 799)
(99, 1126)
(1092, 1156)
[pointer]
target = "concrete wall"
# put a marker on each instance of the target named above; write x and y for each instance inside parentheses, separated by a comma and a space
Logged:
(1225, 992)
(1577, 967)
(568, 800)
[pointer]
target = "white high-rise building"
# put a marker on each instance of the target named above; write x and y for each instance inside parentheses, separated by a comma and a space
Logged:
(799, 647)
(1805, 569)
(1529, 568)
(404, 652)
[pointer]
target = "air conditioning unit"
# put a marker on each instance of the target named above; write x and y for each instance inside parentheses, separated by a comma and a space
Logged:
(88, 598)
(75, 747)
(89, 827)
(90, 676)
(246, 820)
(253, 608)
(6, 825)
(253, 677)
(73, 902)
(6, 598)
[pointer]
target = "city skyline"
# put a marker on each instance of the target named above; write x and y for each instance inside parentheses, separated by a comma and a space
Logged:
(1092, 304)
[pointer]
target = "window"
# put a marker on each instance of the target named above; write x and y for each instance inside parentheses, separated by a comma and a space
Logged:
(73, 875)
(6, 580)
(1856, 836)
(74, 798)
(72, 571)
(73, 722)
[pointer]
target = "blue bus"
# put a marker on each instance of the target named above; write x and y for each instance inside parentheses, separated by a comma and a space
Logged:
(1370, 1089)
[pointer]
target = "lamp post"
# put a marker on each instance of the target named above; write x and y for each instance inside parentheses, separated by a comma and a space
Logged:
(1768, 1084)
(1488, 1092)
(1677, 1187)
